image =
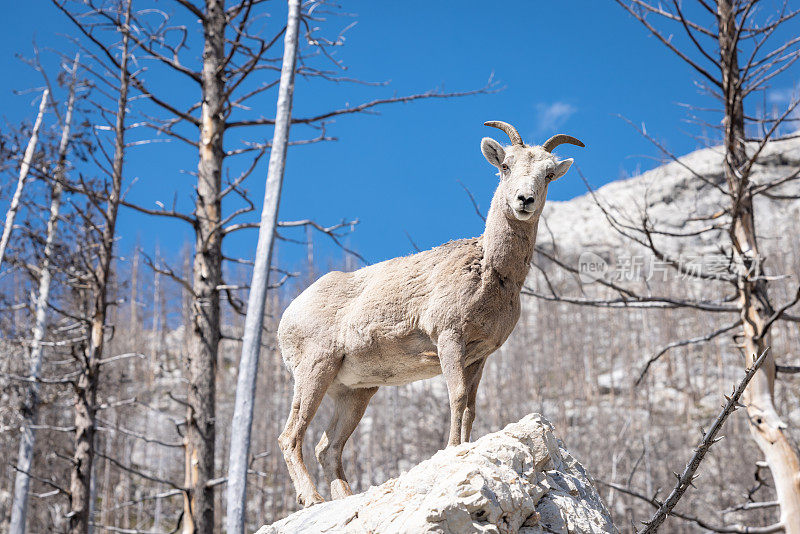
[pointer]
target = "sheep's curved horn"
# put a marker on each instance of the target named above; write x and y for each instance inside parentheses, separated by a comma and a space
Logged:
(560, 139)
(512, 132)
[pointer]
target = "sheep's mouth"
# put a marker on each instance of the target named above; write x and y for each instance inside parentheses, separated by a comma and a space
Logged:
(523, 214)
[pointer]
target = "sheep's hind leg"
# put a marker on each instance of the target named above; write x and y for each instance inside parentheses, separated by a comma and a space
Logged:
(349, 406)
(312, 377)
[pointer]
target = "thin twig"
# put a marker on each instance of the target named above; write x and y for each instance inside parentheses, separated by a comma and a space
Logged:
(709, 438)
(683, 343)
(702, 523)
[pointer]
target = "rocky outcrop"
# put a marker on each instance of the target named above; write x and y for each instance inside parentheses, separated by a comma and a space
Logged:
(676, 200)
(520, 479)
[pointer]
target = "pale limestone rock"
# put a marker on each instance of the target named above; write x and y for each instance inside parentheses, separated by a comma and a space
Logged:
(520, 479)
(672, 194)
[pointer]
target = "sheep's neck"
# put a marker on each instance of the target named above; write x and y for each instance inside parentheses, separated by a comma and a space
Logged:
(507, 244)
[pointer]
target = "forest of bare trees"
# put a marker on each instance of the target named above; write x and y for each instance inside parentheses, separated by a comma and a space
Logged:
(732, 49)
(126, 372)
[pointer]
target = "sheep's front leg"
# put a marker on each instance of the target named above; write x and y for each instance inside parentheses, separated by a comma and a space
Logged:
(452, 357)
(473, 375)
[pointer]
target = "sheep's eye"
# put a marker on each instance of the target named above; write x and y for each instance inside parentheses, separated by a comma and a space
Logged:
(504, 167)
(551, 175)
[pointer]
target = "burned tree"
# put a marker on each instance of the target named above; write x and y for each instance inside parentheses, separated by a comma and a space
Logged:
(24, 169)
(228, 79)
(30, 409)
(242, 423)
(100, 222)
(729, 44)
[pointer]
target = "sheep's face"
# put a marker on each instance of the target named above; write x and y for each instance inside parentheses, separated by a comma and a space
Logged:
(525, 173)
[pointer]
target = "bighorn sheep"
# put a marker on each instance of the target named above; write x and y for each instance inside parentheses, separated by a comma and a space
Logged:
(444, 310)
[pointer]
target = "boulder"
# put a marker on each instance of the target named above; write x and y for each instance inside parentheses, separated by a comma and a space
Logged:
(520, 479)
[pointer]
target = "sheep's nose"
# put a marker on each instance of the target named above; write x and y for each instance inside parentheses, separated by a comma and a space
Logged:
(526, 200)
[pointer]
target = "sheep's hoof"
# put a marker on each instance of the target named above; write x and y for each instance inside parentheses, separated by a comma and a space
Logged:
(314, 498)
(340, 489)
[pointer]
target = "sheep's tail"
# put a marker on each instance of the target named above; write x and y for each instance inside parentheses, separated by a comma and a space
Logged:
(285, 356)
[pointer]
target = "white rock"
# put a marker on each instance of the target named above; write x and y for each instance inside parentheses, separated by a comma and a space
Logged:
(520, 479)
(672, 194)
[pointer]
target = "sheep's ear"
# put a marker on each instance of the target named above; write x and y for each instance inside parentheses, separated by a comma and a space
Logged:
(493, 151)
(562, 168)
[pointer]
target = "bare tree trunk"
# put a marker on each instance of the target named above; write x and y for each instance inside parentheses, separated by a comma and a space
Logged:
(134, 305)
(128, 491)
(153, 450)
(256, 302)
(88, 381)
(107, 498)
(155, 341)
(23, 175)
(30, 410)
(207, 275)
(766, 426)
(92, 493)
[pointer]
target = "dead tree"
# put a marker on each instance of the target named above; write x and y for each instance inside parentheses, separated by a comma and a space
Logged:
(98, 259)
(251, 343)
(731, 52)
(31, 407)
(24, 169)
(256, 303)
(233, 54)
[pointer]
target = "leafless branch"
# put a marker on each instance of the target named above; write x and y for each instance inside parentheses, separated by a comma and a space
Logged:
(138, 473)
(726, 529)
(686, 478)
(683, 343)
(490, 87)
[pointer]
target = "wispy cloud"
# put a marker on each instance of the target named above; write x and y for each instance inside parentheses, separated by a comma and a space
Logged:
(552, 116)
(782, 96)
(778, 101)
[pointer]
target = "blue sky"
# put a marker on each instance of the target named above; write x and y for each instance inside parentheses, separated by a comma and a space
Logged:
(569, 67)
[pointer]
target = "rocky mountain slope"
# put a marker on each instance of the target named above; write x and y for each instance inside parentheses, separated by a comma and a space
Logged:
(671, 194)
